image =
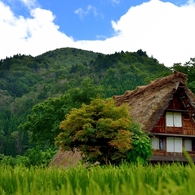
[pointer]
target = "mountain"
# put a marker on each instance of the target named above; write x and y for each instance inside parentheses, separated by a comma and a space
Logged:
(26, 81)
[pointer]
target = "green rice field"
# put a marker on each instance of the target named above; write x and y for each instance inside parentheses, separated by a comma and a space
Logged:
(174, 179)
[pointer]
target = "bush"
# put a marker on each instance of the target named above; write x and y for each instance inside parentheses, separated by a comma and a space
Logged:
(32, 157)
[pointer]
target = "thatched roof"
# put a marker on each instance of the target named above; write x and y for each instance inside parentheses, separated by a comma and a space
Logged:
(148, 103)
(66, 158)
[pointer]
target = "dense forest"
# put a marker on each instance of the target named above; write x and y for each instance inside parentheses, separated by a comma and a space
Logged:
(26, 81)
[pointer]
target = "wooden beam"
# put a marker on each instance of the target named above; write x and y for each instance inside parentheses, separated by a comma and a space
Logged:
(170, 159)
(174, 110)
(172, 135)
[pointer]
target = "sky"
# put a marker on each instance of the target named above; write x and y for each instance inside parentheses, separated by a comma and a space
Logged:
(164, 29)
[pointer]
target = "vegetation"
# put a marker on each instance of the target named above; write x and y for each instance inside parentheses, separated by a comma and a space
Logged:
(44, 119)
(56, 78)
(187, 68)
(32, 157)
(36, 93)
(172, 179)
(102, 132)
(53, 83)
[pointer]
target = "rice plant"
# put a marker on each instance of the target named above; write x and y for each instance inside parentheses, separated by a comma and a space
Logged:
(175, 179)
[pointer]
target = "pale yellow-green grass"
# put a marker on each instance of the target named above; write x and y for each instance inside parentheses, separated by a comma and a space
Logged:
(126, 179)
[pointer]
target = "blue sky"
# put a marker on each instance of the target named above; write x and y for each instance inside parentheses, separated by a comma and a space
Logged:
(161, 28)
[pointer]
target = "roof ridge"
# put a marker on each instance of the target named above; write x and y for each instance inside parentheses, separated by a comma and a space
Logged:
(173, 78)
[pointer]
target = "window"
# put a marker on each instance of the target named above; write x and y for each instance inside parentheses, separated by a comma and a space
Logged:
(174, 144)
(161, 144)
(173, 119)
(188, 144)
(155, 143)
(158, 143)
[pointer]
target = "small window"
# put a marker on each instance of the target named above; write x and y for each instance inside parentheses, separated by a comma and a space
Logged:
(155, 143)
(188, 144)
(158, 143)
(161, 144)
(173, 119)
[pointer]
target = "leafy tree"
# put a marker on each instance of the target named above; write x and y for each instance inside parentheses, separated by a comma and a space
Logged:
(38, 157)
(14, 161)
(101, 131)
(85, 93)
(142, 53)
(32, 157)
(187, 68)
(44, 120)
(141, 146)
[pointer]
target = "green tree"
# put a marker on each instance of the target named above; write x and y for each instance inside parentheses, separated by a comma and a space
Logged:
(85, 93)
(187, 68)
(101, 131)
(141, 146)
(44, 120)
(38, 157)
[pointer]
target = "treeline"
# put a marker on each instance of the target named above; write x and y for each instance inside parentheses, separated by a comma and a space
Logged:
(187, 68)
(26, 81)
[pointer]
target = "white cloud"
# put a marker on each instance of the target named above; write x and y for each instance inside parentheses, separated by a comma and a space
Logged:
(191, 2)
(163, 30)
(33, 35)
(81, 13)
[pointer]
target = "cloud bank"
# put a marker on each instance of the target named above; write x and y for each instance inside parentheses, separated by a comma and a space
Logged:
(163, 30)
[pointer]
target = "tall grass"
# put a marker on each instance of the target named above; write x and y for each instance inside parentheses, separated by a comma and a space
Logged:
(126, 179)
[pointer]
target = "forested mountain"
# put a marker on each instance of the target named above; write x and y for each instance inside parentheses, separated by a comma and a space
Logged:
(26, 81)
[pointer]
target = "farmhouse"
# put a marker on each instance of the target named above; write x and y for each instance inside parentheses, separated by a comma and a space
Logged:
(166, 110)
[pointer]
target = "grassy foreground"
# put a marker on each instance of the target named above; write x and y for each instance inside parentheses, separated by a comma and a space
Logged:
(126, 179)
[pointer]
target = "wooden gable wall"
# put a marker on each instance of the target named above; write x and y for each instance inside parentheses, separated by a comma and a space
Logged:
(180, 104)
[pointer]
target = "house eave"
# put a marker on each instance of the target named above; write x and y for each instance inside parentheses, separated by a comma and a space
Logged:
(172, 135)
(158, 158)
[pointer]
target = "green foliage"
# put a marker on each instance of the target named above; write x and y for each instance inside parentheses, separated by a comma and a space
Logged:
(14, 161)
(172, 179)
(141, 147)
(26, 81)
(32, 157)
(142, 53)
(38, 157)
(102, 132)
(12, 141)
(85, 93)
(119, 72)
(187, 68)
(44, 120)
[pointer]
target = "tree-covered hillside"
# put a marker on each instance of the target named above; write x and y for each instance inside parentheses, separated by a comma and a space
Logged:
(26, 81)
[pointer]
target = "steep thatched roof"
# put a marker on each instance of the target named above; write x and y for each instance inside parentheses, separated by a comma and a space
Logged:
(147, 103)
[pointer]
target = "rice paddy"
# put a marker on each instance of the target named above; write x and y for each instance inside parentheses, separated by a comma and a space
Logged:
(174, 179)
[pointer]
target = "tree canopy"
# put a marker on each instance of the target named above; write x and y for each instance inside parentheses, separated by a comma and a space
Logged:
(45, 117)
(101, 131)
(187, 68)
